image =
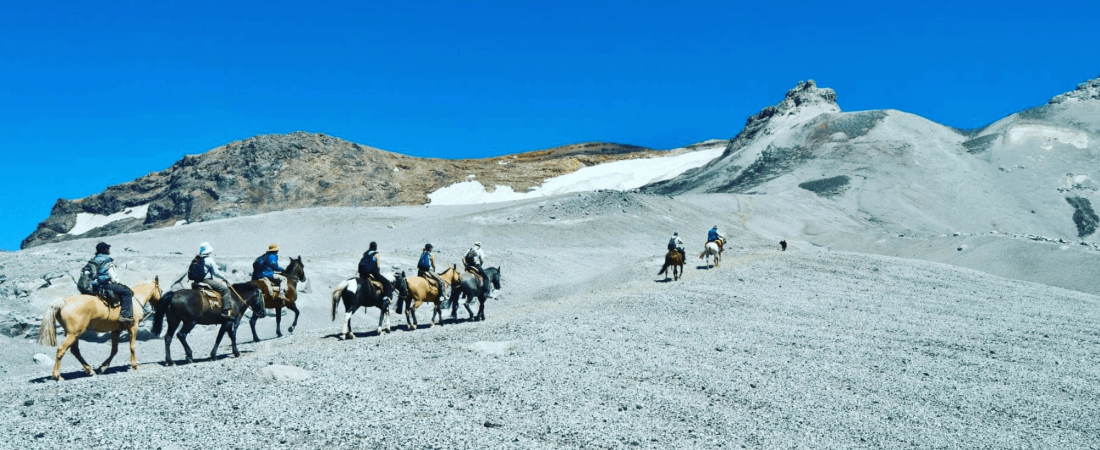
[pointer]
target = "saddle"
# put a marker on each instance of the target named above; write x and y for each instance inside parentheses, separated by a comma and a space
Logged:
(109, 298)
(473, 271)
(211, 299)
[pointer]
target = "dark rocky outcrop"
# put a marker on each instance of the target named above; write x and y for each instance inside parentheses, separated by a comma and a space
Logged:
(1083, 216)
(298, 170)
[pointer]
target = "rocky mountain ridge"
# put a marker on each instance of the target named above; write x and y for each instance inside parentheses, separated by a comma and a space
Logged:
(277, 172)
(1031, 172)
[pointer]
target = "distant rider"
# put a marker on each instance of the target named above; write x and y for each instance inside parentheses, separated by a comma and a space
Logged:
(203, 269)
(714, 236)
(270, 269)
(106, 282)
(677, 244)
(426, 269)
(475, 258)
(369, 268)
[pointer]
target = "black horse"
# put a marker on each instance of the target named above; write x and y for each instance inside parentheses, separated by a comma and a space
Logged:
(469, 286)
(356, 293)
(186, 306)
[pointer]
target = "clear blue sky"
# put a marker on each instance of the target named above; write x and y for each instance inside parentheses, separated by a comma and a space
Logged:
(98, 93)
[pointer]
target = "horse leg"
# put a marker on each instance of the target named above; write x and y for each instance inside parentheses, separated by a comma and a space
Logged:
(470, 299)
(437, 310)
(187, 327)
(114, 350)
(295, 309)
(171, 333)
(345, 331)
(252, 325)
(71, 340)
(383, 315)
(481, 308)
(278, 321)
(233, 338)
(218, 341)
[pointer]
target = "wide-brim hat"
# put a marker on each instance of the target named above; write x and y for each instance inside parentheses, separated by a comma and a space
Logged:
(273, 248)
(205, 249)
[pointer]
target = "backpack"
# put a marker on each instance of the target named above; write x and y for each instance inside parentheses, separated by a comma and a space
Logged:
(197, 270)
(86, 283)
(369, 263)
(425, 261)
(258, 267)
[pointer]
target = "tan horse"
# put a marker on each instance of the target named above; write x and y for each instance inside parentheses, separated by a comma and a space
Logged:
(713, 248)
(81, 313)
(414, 291)
(674, 260)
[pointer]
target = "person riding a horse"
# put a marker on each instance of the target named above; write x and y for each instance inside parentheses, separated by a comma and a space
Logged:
(369, 269)
(270, 269)
(203, 270)
(474, 259)
(675, 243)
(106, 283)
(426, 269)
(714, 236)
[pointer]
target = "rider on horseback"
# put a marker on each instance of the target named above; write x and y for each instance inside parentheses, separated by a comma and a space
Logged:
(677, 244)
(270, 269)
(426, 269)
(204, 270)
(714, 236)
(475, 258)
(368, 269)
(106, 283)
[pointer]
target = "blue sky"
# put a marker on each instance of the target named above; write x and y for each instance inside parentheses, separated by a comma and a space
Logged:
(98, 93)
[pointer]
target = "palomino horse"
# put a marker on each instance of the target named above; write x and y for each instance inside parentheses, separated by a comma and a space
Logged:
(294, 273)
(186, 306)
(80, 313)
(713, 249)
(412, 292)
(356, 293)
(469, 286)
(674, 260)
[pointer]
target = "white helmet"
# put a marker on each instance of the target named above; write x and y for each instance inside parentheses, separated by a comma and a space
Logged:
(477, 244)
(205, 249)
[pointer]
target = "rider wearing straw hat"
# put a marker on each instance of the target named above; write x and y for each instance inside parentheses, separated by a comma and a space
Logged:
(271, 269)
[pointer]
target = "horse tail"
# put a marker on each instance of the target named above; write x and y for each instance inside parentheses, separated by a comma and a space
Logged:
(336, 296)
(665, 268)
(162, 308)
(702, 254)
(47, 332)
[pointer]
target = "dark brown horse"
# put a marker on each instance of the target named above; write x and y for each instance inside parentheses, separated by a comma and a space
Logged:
(295, 272)
(187, 306)
(674, 260)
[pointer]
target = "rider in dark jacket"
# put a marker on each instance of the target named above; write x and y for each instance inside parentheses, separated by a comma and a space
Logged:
(369, 269)
(426, 269)
(106, 282)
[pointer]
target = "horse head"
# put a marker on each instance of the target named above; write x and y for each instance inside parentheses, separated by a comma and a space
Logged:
(494, 276)
(252, 298)
(296, 269)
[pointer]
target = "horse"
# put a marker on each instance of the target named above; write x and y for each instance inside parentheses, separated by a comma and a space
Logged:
(713, 249)
(469, 286)
(186, 306)
(80, 313)
(294, 273)
(355, 293)
(674, 260)
(414, 291)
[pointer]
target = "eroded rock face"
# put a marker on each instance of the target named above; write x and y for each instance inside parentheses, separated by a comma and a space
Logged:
(278, 172)
(1089, 90)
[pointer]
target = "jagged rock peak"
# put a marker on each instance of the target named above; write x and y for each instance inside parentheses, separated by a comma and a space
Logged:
(1089, 90)
(805, 95)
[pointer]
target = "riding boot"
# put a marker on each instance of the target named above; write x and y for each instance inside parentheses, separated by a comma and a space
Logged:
(227, 307)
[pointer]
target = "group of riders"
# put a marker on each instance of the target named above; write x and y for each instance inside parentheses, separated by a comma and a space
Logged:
(675, 243)
(100, 278)
(425, 266)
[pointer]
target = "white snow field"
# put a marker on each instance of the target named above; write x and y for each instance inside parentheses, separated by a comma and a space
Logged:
(618, 175)
(86, 222)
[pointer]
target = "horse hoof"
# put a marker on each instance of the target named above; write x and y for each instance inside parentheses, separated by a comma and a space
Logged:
(278, 334)
(169, 363)
(236, 354)
(290, 330)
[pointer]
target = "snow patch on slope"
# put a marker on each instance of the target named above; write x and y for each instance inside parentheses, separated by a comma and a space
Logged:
(618, 175)
(1020, 133)
(87, 222)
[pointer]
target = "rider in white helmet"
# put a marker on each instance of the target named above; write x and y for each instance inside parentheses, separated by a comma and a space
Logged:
(203, 269)
(475, 258)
